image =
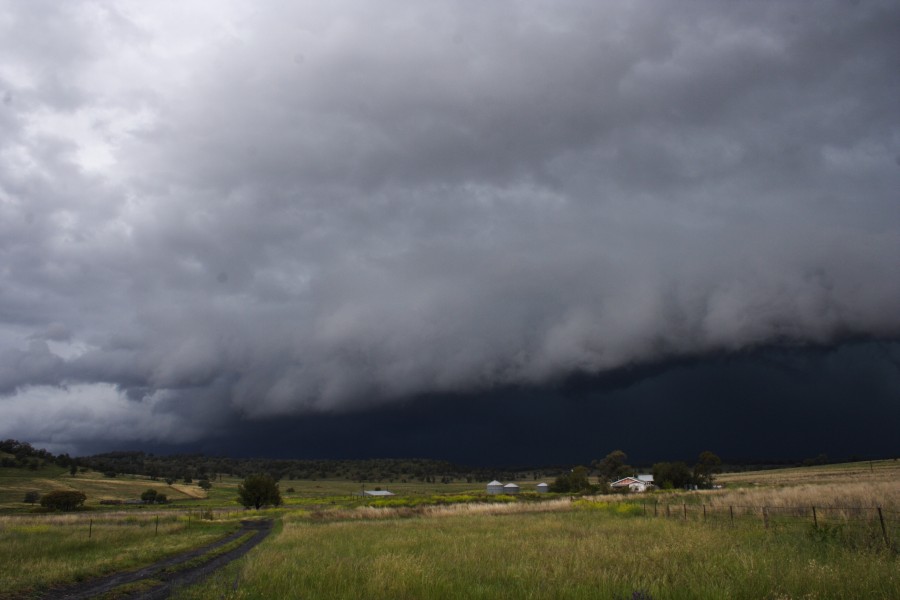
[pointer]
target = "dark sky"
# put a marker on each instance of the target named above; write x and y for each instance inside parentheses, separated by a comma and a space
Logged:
(534, 231)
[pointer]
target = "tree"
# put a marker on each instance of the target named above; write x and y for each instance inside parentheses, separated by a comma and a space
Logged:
(149, 496)
(258, 491)
(63, 500)
(205, 484)
(73, 469)
(575, 481)
(708, 464)
(161, 498)
(613, 466)
(670, 475)
(31, 497)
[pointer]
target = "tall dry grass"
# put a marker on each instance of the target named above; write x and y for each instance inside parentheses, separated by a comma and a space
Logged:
(885, 494)
(566, 554)
(365, 513)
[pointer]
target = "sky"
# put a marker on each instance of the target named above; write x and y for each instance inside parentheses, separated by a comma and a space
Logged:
(494, 232)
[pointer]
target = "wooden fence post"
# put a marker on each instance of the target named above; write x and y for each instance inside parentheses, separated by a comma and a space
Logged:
(655, 508)
(766, 516)
(731, 511)
(91, 527)
(157, 526)
(684, 508)
(704, 512)
(815, 518)
(887, 542)
(668, 511)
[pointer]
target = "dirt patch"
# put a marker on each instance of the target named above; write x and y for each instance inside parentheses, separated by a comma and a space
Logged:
(165, 571)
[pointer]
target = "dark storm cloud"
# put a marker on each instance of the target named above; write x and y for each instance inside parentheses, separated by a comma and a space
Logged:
(242, 210)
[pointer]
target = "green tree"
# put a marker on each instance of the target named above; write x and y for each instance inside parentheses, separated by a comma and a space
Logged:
(73, 468)
(31, 497)
(669, 475)
(573, 482)
(63, 500)
(161, 498)
(258, 491)
(613, 466)
(708, 464)
(205, 484)
(149, 496)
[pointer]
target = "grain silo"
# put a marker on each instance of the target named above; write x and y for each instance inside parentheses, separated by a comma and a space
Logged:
(542, 488)
(495, 487)
(510, 488)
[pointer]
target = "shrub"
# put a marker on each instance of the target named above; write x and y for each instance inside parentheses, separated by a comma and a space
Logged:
(31, 497)
(149, 496)
(63, 500)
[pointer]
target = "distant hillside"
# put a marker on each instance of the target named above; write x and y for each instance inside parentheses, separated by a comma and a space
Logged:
(179, 467)
(22, 455)
(197, 466)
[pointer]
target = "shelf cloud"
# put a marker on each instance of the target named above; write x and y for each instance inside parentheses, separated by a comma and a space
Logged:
(240, 210)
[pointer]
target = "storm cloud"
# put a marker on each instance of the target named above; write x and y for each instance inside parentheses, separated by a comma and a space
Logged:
(233, 211)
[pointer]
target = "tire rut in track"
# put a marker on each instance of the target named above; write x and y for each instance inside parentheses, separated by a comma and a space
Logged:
(160, 570)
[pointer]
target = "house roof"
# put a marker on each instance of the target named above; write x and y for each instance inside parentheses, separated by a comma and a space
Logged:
(626, 481)
(378, 493)
(495, 482)
(510, 485)
(542, 484)
(646, 478)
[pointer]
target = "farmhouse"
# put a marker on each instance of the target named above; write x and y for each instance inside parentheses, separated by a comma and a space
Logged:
(635, 484)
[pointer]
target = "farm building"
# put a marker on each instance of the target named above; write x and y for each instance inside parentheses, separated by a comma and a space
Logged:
(635, 484)
(377, 493)
(510, 488)
(495, 487)
(542, 488)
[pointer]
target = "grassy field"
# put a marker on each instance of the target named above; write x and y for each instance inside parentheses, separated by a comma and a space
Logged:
(15, 483)
(867, 471)
(566, 553)
(333, 544)
(37, 551)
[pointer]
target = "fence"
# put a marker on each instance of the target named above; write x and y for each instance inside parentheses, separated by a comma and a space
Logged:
(90, 524)
(856, 525)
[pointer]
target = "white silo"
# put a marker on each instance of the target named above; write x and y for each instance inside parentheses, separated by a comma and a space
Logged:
(542, 488)
(510, 488)
(495, 487)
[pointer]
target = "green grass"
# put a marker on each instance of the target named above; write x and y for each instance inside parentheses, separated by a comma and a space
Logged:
(43, 550)
(582, 554)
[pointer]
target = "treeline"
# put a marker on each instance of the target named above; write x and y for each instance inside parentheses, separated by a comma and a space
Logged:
(22, 455)
(200, 466)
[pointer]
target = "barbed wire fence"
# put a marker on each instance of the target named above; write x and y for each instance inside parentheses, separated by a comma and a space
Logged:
(856, 525)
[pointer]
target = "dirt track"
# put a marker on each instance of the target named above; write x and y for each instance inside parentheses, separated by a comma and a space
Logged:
(167, 570)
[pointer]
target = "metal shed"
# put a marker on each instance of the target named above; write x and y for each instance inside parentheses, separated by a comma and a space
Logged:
(510, 488)
(542, 488)
(495, 487)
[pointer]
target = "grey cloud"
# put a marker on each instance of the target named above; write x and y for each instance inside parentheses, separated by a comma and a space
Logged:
(436, 199)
